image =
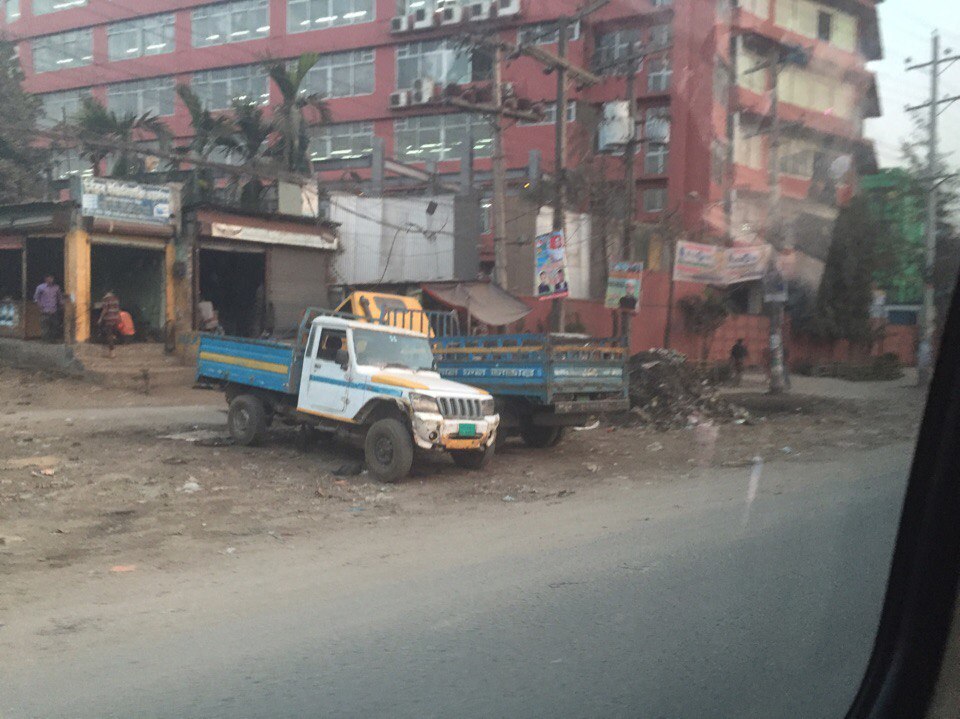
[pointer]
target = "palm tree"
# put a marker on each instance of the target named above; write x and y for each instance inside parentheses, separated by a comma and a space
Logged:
(298, 111)
(210, 132)
(249, 143)
(99, 126)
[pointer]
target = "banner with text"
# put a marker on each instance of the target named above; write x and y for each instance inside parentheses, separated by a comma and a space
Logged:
(550, 276)
(714, 265)
(623, 286)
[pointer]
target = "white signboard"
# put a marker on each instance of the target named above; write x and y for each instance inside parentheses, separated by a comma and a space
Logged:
(266, 236)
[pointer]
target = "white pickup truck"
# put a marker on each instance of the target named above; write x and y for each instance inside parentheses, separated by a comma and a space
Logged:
(374, 383)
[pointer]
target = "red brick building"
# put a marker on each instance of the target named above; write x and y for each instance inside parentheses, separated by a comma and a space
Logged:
(712, 174)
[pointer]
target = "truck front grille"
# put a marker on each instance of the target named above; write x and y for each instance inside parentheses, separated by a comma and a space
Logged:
(460, 408)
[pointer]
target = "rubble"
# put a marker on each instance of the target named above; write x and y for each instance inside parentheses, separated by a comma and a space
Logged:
(667, 392)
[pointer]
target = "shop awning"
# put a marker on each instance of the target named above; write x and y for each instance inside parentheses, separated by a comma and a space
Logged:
(485, 302)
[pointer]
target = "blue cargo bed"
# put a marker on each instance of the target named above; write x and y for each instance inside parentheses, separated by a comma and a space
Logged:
(256, 363)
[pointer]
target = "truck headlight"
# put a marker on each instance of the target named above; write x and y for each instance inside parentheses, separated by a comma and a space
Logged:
(423, 403)
(488, 407)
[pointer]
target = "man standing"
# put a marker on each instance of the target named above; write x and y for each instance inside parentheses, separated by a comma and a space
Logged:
(738, 355)
(49, 300)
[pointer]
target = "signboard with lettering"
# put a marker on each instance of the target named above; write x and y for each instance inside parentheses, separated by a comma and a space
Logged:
(623, 286)
(698, 263)
(325, 241)
(109, 199)
(745, 264)
(550, 276)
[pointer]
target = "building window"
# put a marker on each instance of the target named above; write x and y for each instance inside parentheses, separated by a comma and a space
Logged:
(143, 36)
(550, 114)
(659, 72)
(718, 162)
(231, 22)
(547, 33)
(660, 36)
(303, 15)
(58, 52)
(440, 137)
(656, 135)
(13, 10)
(59, 106)
(655, 199)
(824, 25)
(486, 216)
(343, 141)
(43, 7)
(141, 97)
(218, 89)
(68, 163)
(613, 48)
(443, 61)
(342, 74)
(661, 3)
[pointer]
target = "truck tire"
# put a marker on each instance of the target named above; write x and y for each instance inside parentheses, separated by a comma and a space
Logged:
(388, 448)
(246, 419)
(472, 459)
(541, 437)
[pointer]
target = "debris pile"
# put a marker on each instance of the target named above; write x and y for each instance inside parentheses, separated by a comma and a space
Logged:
(667, 392)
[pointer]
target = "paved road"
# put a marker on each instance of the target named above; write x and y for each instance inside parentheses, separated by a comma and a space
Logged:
(659, 601)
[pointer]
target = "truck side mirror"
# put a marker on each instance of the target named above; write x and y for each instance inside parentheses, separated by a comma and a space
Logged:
(342, 358)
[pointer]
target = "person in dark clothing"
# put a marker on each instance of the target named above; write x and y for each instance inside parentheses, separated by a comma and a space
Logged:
(110, 320)
(738, 355)
(544, 287)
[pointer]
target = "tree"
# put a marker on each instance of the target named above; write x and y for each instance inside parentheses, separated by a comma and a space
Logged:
(702, 316)
(846, 288)
(210, 132)
(96, 124)
(298, 111)
(21, 163)
(248, 143)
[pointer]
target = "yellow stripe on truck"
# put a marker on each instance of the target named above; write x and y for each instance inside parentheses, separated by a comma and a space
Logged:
(397, 382)
(244, 362)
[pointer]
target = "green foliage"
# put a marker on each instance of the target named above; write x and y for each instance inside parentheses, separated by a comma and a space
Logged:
(99, 127)
(884, 368)
(21, 163)
(846, 289)
(703, 315)
(297, 112)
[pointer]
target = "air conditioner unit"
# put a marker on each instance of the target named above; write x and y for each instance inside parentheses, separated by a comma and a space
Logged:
(423, 20)
(451, 15)
(401, 23)
(400, 98)
(424, 91)
(508, 8)
(479, 11)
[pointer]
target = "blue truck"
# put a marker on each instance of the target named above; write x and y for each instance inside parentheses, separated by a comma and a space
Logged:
(542, 383)
(366, 381)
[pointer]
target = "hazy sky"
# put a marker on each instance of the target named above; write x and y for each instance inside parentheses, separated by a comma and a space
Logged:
(906, 26)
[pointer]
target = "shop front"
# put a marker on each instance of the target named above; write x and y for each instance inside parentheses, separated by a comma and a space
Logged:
(32, 247)
(254, 273)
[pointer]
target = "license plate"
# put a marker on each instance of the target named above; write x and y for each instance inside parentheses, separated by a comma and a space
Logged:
(468, 430)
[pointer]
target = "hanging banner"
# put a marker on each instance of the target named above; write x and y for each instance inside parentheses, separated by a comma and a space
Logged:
(745, 264)
(698, 263)
(712, 265)
(550, 272)
(623, 286)
(122, 201)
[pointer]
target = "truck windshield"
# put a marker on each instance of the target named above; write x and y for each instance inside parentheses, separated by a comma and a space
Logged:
(388, 349)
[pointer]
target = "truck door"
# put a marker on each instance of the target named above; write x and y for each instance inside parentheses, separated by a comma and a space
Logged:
(325, 383)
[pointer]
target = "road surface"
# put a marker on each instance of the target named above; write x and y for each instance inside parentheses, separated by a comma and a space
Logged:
(676, 599)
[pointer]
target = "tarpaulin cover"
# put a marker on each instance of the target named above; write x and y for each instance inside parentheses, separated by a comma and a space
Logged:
(484, 301)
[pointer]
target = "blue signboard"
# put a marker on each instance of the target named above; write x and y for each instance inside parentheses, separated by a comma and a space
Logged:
(125, 201)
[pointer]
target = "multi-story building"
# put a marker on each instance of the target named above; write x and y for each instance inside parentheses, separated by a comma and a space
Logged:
(703, 115)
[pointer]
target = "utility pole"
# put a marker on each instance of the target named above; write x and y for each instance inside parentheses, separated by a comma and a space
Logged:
(932, 180)
(774, 221)
(499, 175)
(630, 159)
(560, 155)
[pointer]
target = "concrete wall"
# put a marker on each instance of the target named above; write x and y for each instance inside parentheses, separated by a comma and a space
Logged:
(39, 356)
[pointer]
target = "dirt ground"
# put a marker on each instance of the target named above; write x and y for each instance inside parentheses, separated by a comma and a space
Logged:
(109, 494)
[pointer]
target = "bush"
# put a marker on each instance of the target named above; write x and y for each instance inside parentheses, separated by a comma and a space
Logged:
(885, 368)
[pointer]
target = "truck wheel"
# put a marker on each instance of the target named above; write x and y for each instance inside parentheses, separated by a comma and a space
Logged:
(388, 449)
(472, 458)
(541, 437)
(246, 419)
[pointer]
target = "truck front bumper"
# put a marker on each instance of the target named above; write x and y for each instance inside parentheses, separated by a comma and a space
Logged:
(433, 431)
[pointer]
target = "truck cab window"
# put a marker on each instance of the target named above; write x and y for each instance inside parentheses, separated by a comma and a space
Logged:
(331, 342)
